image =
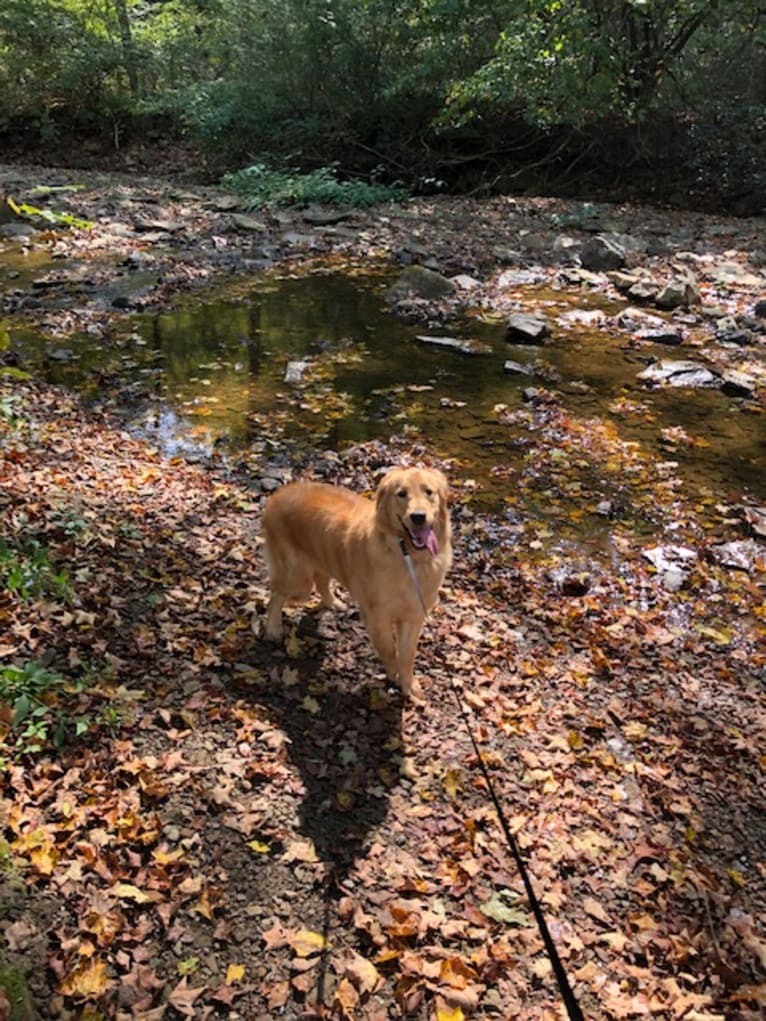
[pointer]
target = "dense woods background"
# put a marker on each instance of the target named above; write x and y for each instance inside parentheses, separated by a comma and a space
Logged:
(661, 98)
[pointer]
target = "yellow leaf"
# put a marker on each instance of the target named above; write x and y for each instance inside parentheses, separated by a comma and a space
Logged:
(736, 877)
(305, 942)
(234, 973)
(575, 740)
(444, 1012)
(86, 981)
(258, 846)
(126, 891)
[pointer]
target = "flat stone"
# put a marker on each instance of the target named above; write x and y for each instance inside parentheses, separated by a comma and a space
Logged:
(740, 555)
(738, 384)
(644, 290)
(422, 282)
(679, 373)
(325, 217)
(511, 368)
(464, 346)
(244, 222)
(523, 328)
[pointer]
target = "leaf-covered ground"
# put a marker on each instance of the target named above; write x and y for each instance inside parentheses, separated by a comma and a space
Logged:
(245, 832)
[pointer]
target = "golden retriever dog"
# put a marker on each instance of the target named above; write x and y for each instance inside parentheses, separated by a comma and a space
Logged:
(316, 532)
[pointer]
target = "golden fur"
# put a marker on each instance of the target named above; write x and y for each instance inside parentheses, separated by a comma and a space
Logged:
(316, 532)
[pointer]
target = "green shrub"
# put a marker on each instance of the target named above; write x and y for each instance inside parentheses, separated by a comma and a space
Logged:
(259, 185)
(27, 571)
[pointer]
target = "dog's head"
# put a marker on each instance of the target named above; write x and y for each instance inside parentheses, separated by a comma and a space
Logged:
(412, 503)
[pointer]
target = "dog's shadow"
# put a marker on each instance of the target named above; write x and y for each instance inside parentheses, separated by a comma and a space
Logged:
(344, 731)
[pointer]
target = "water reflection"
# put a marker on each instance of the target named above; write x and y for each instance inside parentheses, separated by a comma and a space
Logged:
(214, 371)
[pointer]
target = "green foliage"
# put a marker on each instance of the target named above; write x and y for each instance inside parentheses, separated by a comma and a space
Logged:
(260, 186)
(32, 693)
(13, 982)
(27, 571)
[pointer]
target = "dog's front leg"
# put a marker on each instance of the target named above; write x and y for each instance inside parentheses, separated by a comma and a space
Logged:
(408, 633)
(382, 637)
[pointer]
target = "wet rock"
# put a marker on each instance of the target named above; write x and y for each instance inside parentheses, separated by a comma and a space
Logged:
(760, 308)
(538, 395)
(511, 368)
(679, 373)
(672, 564)
(248, 223)
(523, 328)
(295, 371)
(738, 384)
(729, 331)
(422, 282)
(680, 292)
(465, 346)
(755, 520)
(740, 555)
(602, 252)
(645, 326)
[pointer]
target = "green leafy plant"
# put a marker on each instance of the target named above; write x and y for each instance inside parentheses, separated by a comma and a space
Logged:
(27, 571)
(260, 185)
(30, 695)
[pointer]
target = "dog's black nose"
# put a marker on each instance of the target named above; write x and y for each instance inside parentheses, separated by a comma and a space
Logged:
(418, 518)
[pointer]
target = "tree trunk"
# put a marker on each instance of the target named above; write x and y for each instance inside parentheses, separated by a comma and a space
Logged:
(128, 49)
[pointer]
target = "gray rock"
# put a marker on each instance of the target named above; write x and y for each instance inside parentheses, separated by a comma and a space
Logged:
(644, 290)
(511, 368)
(325, 217)
(464, 346)
(672, 564)
(680, 292)
(738, 384)
(295, 371)
(760, 308)
(421, 282)
(17, 230)
(739, 555)
(507, 256)
(602, 252)
(679, 373)
(623, 281)
(244, 222)
(465, 282)
(727, 273)
(523, 328)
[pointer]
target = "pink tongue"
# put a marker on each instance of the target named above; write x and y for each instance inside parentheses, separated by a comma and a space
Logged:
(432, 543)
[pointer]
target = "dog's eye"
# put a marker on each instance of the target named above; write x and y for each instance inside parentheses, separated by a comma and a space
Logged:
(402, 493)
(429, 492)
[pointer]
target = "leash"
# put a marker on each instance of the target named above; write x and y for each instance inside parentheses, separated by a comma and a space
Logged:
(570, 1002)
(567, 995)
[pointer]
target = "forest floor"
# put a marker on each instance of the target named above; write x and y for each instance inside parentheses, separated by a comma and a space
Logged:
(198, 825)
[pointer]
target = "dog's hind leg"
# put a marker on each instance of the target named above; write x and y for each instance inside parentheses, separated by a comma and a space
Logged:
(323, 584)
